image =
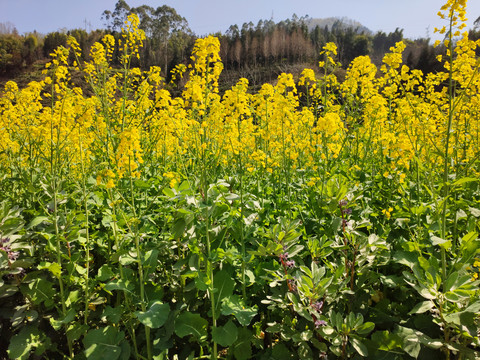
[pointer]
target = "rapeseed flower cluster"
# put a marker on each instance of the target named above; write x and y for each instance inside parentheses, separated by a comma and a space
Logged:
(395, 116)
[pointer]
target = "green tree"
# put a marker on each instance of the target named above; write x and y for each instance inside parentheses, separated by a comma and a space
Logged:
(29, 51)
(52, 41)
(10, 53)
(168, 34)
(114, 20)
(166, 28)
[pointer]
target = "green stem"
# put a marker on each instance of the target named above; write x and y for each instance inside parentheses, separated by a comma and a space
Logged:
(140, 268)
(87, 234)
(446, 189)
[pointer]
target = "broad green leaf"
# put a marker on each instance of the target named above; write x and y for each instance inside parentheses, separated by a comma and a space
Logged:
(104, 343)
(4, 263)
(412, 346)
(223, 287)
(365, 328)
(28, 339)
(141, 184)
(119, 284)
(191, 324)
(54, 268)
(105, 273)
(413, 339)
(41, 290)
(446, 244)
(464, 180)
(459, 281)
(326, 331)
(112, 315)
(11, 226)
(281, 352)
(452, 278)
(7, 290)
(405, 258)
(201, 281)
(75, 330)
(359, 346)
(168, 192)
(465, 317)
(150, 262)
(304, 351)
(294, 250)
(386, 341)
(233, 305)
(179, 227)
(225, 335)
(274, 328)
(38, 220)
(422, 307)
(155, 316)
(69, 317)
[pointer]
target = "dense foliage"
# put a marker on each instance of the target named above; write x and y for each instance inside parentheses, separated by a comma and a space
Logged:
(311, 219)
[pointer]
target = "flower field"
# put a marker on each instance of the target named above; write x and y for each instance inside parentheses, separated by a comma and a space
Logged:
(314, 219)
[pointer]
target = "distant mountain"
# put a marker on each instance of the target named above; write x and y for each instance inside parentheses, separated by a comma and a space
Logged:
(333, 22)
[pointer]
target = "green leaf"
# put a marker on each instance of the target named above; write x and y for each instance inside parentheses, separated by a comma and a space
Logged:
(359, 346)
(223, 287)
(105, 343)
(168, 192)
(465, 317)
(405, 258)
(446, 244)
(413, 339)
(412, 346)
(225, 335)
(38, 220)
(463, 181)
(141, 184)
(41, 290)
(112, 315)
(421, 307)
(105, 273)
(242, 348)
(7, 290)
(179, 227)
(365, 328)
(69, 317)
(150, 262)
(75, 330)
(28, 339)
(281, 352)
(54, 268)
(155, 316)
(191, 324)
(294, 250)
(119, 284)
(233, 305)
(11, 226)
(386, 341)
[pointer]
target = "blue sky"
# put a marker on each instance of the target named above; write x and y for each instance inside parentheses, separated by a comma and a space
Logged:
(417, 17)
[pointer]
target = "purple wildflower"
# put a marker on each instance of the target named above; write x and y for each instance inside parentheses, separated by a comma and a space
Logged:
(318, 306)
(343, 203)
(5, 246)
(319, 323)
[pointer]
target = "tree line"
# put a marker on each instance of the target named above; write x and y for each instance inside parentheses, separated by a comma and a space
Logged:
(266, 45)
